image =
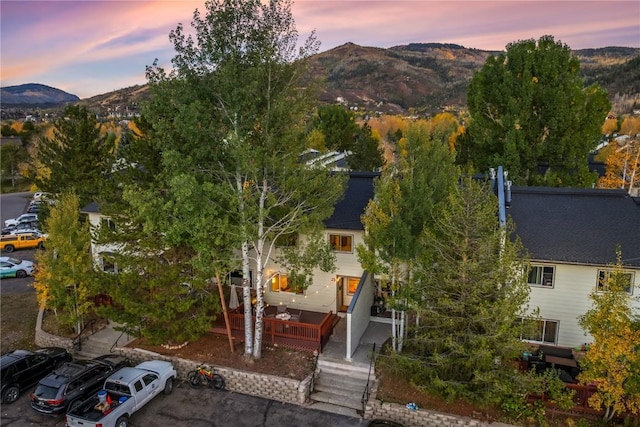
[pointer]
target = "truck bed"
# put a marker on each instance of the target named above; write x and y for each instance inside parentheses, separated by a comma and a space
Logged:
(88, 412)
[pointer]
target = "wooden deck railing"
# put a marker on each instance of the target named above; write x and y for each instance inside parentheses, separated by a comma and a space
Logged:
(287, 332)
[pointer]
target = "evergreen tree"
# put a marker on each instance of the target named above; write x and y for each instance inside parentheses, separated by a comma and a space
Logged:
(77, 158)
(468, 290)
(366, 151)
(530, 111)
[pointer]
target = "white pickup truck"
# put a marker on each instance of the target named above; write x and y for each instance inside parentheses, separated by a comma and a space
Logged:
(127, 391)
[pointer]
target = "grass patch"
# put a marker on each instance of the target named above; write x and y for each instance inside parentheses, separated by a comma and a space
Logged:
(21, 185)
(18, 321)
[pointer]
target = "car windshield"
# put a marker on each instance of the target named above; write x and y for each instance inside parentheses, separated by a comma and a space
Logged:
(46, 392)
(13, 261)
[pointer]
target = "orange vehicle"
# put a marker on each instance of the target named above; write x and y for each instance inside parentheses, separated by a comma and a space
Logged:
(10, 243)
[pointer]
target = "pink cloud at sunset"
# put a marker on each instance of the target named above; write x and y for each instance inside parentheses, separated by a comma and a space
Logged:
(88, 47)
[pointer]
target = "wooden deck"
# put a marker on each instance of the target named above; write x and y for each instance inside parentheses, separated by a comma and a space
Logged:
(311, 332)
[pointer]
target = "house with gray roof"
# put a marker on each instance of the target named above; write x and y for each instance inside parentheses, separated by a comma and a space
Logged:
(572, 236)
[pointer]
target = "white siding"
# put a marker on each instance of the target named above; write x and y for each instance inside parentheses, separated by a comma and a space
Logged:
(321, 295)
(569, 299)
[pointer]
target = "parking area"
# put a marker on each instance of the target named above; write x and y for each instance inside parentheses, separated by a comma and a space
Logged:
(198, 408)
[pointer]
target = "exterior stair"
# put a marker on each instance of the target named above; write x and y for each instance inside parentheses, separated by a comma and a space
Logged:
(339, 385)
(101, 342)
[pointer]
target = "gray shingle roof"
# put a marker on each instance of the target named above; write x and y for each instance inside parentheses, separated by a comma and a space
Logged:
(347, 212)
(577, 225)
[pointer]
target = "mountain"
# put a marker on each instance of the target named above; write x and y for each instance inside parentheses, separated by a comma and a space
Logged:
(418, 78)
(426, 78)
(34, 93)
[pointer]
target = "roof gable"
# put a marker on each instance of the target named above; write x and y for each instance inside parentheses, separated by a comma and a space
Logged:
(347, 212)
(581, 226)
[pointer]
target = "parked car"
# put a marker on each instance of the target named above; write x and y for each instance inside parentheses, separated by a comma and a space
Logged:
(21, 369)
(25, 227)
(10, 243)
(28, 217)
(66, 387)
(41, 195)
(34, 207)
(14, 267)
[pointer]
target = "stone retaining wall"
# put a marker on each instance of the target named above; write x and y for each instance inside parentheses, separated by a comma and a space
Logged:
(261, 385)
(45, 339)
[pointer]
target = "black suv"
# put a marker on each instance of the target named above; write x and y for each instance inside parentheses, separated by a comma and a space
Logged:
(22, 369)
(74, 382)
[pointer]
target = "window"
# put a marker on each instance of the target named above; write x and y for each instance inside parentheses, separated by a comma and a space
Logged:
(108, 262)
(540, 276)
(149, 378)
(352, 284)
(341, 242)
(107, 223)
(540, 331)
(138, 385)
(281, 283)
(605, 275)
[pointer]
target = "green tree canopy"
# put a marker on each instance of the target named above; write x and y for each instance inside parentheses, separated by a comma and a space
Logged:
(338, 125)
(530, 112)
(225, 126)
(406, 198)
(367, 154)
(64, 279)
(78, 158)
(468, 290)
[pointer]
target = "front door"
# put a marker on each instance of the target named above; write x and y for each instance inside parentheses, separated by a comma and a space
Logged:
(340, 307)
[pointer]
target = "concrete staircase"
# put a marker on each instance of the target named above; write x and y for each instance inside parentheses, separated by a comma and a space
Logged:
(339, 386)
(101, 343)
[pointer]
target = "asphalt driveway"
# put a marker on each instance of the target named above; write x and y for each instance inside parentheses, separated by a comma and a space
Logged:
(198, 408)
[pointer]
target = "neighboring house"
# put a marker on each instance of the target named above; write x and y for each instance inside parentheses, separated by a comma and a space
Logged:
(101, 253)
(572, 236)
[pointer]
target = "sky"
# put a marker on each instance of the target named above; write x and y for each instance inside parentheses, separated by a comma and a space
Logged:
(91, 47)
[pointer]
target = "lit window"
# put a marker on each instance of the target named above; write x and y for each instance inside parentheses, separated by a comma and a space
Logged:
(341, 242)
(281, 283)
(352, 284)
(540, 331)
(604, 276)
(540, 276)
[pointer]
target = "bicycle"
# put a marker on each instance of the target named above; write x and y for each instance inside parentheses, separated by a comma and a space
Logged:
(206, 375)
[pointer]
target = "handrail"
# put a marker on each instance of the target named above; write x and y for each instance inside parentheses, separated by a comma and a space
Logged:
(116, 342)
(77, 341)
(367, 388)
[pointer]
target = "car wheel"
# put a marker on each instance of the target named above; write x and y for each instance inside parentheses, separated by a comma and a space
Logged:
(9, 248)
(10, 394)
(122, 422)
(21, 274)
(40, 245)
(168, 386)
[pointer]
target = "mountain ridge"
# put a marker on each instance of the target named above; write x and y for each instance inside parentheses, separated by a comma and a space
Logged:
(35, 93)
(419, 78)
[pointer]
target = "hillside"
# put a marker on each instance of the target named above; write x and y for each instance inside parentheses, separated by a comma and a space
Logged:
(34, 93)
(418, 78)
